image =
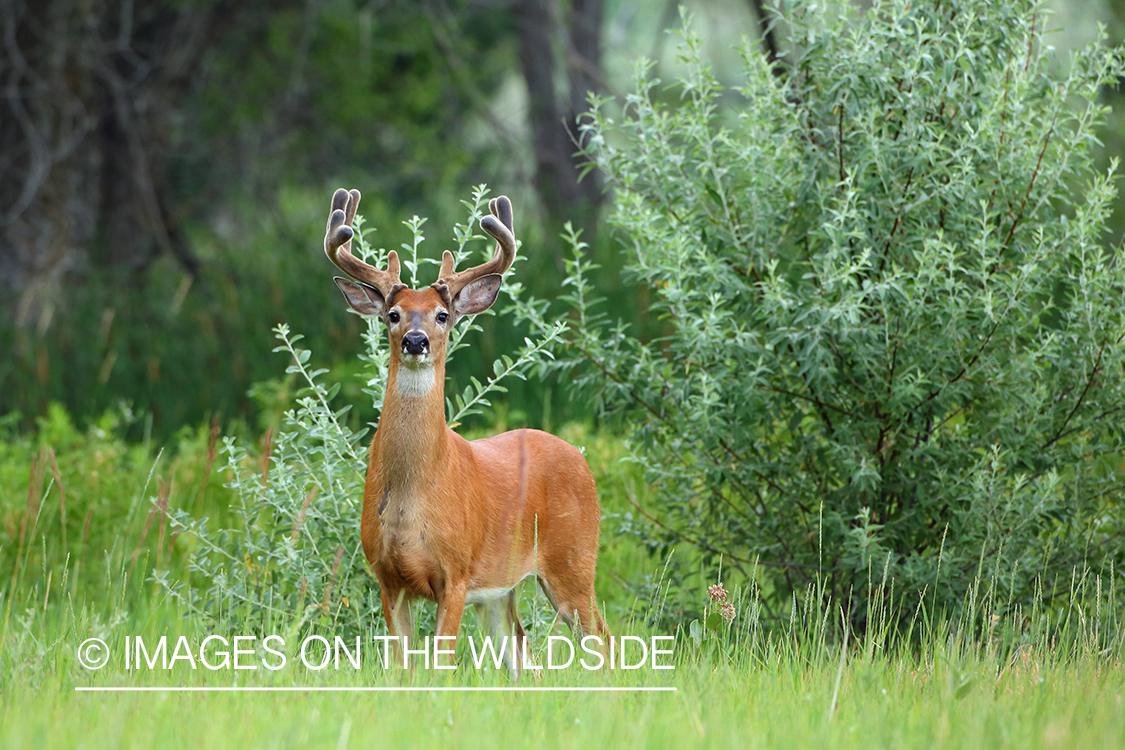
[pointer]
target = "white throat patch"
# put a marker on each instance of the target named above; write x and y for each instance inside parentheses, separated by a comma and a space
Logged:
(414, 382)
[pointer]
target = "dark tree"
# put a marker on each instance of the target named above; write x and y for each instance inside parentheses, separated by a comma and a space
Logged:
(553, 117)
(92, 97)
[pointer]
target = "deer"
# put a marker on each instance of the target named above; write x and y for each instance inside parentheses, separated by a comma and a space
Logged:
(450, 520)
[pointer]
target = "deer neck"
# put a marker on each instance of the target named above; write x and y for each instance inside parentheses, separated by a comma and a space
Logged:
(412, 438)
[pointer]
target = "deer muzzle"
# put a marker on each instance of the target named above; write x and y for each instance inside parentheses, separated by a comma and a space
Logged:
(415, 342)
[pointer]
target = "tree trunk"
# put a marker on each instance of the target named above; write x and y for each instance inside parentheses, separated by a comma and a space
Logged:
(90, 92)
(552, 115)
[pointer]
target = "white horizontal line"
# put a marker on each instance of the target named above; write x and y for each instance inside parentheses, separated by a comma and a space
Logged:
(256, 689)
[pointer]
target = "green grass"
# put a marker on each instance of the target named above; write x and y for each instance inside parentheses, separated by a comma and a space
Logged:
(1052, 678)
(938, 698)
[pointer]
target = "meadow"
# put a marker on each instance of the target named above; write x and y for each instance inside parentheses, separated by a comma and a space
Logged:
(1047, 678)
(881, 702)
(849, 340)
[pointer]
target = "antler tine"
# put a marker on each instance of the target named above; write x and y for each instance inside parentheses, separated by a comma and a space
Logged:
(501, 208)
(499, 226)
(338, 246)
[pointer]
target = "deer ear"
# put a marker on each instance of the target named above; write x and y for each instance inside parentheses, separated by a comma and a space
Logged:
(364, 299)
(478, 295)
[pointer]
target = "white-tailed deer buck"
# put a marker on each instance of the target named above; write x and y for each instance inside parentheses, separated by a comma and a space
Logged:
(447, 519)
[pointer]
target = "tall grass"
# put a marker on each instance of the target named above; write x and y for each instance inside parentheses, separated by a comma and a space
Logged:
(1049, 678)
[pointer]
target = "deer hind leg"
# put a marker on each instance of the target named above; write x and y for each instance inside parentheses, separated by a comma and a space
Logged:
(577, 607)
(496, 622)
(584, 617)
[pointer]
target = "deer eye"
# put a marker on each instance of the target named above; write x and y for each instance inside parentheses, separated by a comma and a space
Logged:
(392, 316)
(442, 317)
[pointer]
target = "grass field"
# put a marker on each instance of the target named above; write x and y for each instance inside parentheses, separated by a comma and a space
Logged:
(1032, 700)
(1048, 679)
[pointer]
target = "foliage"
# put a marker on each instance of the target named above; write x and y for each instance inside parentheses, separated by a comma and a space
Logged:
(893, 356)
(711, 632)
(87, 510)
(99, 528)
(293, 100)
(293, 555)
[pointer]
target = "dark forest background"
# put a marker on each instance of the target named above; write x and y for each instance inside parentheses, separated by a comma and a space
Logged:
(166, 168)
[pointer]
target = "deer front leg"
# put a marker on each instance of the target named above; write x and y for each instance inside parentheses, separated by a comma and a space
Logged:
(400, 620)
(450, 609)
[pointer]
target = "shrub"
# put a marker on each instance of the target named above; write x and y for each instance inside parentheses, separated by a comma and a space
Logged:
(893, 357)
(293, 557)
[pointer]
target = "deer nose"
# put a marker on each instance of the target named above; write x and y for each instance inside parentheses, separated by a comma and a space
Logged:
(415, 342)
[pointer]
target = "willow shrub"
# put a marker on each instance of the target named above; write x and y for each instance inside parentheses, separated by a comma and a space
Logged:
(893, 355)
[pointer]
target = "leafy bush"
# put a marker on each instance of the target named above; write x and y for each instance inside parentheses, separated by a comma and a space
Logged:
(893, 357)
(293, 556)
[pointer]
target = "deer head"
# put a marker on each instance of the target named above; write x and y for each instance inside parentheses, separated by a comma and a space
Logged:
(418, 321)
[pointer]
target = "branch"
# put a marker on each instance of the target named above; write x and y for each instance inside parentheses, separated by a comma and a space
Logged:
(769, 39)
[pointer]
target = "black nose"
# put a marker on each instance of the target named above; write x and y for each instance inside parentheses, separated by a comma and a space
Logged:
(415, 342)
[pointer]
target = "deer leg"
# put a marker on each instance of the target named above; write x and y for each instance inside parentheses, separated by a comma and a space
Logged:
(400, 620)
(584, 617)
(515, 626)
(588, 621)
(494, 621)
(451, 607)
(578, 609)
